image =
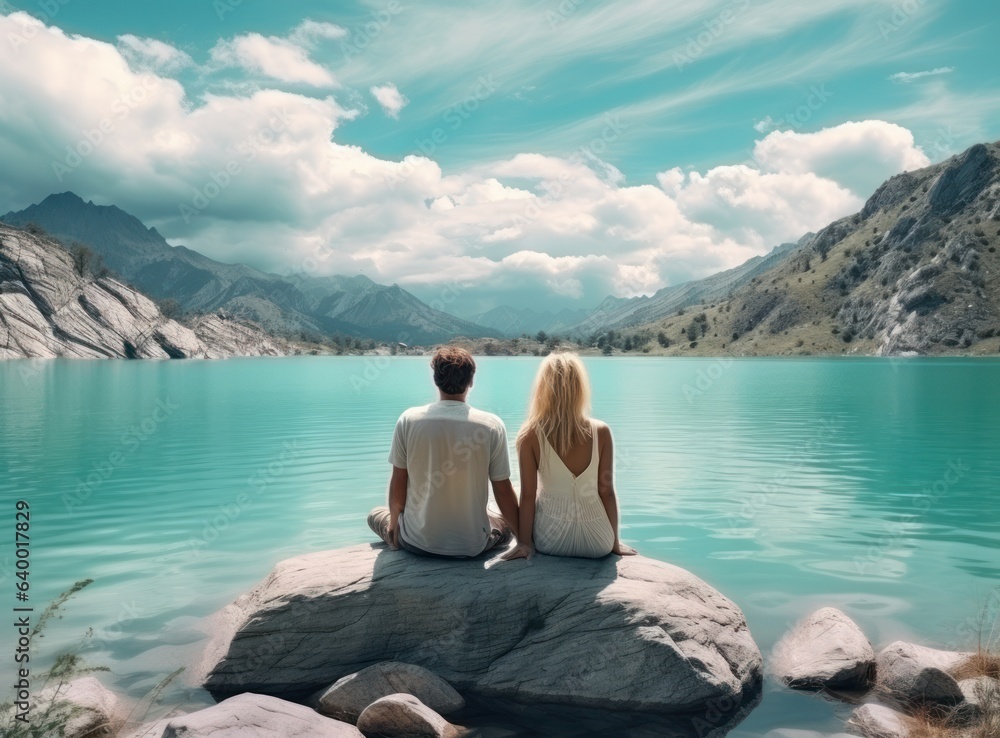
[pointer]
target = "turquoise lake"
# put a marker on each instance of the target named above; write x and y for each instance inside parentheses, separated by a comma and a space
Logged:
(869, 484)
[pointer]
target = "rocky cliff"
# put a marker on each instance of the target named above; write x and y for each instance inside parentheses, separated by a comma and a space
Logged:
(618, 314)
(48, 308)
(914, 272)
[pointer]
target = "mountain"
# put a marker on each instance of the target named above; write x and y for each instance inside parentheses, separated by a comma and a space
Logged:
(354, 306)
(914, 272)
(48, 309)
(510, 321)
(616, 313)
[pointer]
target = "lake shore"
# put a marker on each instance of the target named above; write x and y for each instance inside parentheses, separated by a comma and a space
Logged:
(527, 347)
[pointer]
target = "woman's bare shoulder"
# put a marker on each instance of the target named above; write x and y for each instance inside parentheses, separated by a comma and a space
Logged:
(603, 429)
(528, 439)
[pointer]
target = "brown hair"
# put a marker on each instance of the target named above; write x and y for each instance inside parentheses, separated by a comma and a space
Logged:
(453, 369)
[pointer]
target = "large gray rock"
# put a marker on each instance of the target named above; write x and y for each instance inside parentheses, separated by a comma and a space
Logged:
(878, 721)
(620, 634)
(404, 716)
(249, 715)
(47, 310)
(350, 695)
(84, 706)
(912, 674)
(827, 649)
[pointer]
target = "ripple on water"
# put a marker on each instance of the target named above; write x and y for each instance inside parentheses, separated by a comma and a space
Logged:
(788, 485)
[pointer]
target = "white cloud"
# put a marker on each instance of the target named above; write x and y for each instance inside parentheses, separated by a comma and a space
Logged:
(857, 155)
(148, 53)
(764, 125)
(759, 208)
(391, 99)
(273, 57)
(310, 32)
(522, 38)
(490, 190)
(528, 229)
(638, 279)
(910, 76)
(501, 235)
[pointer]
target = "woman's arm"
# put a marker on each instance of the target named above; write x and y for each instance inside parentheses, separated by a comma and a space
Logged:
(527, 459)
(606, 486)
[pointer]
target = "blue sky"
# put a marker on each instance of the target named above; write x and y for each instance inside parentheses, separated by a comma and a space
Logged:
(544, 153)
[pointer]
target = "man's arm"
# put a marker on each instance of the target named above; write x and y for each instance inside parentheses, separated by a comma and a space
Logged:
(503, 493)
(503, 490)
(397, 501)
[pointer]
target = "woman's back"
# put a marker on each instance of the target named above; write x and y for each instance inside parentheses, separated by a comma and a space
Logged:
(570, 518)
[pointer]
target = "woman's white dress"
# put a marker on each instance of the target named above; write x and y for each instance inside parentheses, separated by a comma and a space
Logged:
(570, 519)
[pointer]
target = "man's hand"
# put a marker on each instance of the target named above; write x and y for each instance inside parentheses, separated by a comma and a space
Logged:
(622, 550)
(393, 533)
(520, 551)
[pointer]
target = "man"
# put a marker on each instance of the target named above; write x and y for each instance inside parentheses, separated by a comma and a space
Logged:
(442, 457)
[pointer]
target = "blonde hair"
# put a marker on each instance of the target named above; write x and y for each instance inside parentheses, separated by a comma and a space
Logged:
(560, 401)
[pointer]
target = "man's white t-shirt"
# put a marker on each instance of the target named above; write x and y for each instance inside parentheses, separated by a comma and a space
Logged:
(451, 452)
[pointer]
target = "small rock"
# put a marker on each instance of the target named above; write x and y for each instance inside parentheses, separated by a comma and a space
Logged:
(912, 674)
(404, 716)
(800, 733)
(90, 708)
(975, 691)
(248, 714)
(976, 688)
(827, 649)
(348, 697)
(878, 721)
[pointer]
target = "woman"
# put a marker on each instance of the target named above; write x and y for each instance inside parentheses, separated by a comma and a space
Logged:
(568, 505)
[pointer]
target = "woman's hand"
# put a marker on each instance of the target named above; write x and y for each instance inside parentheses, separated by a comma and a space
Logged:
(520, 551)
(622, 550)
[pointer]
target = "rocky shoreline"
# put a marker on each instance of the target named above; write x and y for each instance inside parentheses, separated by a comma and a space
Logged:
(365, 641)
(905, 690)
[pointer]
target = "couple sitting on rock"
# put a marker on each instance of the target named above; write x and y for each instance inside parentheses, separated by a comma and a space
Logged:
(446, 455)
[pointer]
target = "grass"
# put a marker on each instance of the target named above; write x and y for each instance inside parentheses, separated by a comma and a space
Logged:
(981, 663)
(935, 721)
(989, 700)
(132, 723)
(51, 717)
(986, 659)
(927, 722)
